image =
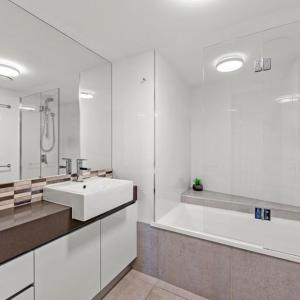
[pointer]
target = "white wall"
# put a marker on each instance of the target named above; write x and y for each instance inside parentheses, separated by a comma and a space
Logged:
(95, 117)
(9, 135)
(172, 137)
(133, 127)
(244, 142)
(69, 120)
(211, 137)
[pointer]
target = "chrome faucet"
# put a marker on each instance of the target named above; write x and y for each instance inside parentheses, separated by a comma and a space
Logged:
(80, 169)
(68, 166)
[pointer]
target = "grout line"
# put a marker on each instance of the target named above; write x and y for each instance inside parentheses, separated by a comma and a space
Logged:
(34, 291)
(231, 288)
(150, 292)
(166, 290)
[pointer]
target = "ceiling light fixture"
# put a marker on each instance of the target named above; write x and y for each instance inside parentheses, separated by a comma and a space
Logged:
(86, 95)
(8, 72)
(229, 64)
(288, 98)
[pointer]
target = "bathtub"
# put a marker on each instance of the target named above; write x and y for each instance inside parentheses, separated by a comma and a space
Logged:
(279, 238)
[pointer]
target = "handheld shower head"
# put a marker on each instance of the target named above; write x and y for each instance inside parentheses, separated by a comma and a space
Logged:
(49, 99)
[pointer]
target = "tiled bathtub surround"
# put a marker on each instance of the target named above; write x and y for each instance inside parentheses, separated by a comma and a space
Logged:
(238, 203)
(214, 271)
(29, 191)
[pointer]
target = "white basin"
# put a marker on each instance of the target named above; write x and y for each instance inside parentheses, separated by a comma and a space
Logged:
(92, 197)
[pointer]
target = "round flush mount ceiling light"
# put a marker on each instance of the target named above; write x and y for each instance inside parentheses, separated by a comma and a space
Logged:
(8, 72)
(86, 95)
(288, 98)
(229, 64)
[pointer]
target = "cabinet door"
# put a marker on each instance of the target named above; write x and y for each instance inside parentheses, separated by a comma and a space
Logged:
(69, 268)
(16, 275)
(118, 242)
(26, 295)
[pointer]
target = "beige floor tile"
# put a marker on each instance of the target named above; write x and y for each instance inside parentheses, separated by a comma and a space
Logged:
(178, 291)
(160, 294)
(134, 286)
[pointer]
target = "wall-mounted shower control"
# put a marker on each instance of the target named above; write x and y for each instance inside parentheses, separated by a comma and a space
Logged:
(267, 214)
(258, 213)
(262, 64)
(263, 214)
(267, 64)
(258, 66)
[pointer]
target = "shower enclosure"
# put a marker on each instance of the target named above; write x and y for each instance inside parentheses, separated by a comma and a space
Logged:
(245, 146)
(39, 134)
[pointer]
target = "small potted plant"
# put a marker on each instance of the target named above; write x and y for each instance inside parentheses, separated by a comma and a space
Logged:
(198, 186)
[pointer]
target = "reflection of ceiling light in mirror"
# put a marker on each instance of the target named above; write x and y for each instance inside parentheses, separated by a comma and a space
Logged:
(8, 71)
(13, 64)
(27, 108)
(86, 95)
(5, 78)
(229, 63)
(193, 2)
(288, 98)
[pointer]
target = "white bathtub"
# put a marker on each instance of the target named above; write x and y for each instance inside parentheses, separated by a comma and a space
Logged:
(279, 238)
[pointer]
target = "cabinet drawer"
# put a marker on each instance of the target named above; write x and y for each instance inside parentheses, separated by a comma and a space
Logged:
(16, 275)
(26, 295)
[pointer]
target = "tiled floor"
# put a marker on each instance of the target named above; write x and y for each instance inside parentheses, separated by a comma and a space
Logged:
(139, 286)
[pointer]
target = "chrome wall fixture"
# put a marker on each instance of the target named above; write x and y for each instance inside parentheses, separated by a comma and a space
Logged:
(5, 166)
(5, 106)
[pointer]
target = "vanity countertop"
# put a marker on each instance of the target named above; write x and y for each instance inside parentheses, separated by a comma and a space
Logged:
(27, 227)
(239, 203)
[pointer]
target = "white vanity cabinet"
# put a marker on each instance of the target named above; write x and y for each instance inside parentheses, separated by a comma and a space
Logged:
(69, 267)
(118, 242)
(16, 275)
(76, 266)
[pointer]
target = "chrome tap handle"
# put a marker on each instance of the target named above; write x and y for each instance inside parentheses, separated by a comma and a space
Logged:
(80, 168)
(68, 165)
(79, 162)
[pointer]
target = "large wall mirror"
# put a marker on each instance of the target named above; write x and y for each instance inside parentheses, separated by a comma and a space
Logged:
(55, 99)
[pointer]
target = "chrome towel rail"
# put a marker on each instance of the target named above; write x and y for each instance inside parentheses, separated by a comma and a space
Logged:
(5, 106)
(5, 166)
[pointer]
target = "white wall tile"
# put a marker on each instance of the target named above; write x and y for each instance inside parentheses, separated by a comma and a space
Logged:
(172, 137)
(9, 134)
(244, 142)
(133, 127)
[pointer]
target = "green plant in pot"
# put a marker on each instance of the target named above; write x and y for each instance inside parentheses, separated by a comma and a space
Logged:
(198, 186)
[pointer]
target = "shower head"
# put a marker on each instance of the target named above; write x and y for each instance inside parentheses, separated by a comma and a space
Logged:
(49, 99)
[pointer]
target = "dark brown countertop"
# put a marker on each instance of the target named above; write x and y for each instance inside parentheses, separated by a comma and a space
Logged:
(28, 227)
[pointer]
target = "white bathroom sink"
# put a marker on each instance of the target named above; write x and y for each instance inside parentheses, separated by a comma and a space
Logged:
(92, 197)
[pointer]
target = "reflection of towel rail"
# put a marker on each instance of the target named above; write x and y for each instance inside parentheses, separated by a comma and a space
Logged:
(5, 106)
(5, 166)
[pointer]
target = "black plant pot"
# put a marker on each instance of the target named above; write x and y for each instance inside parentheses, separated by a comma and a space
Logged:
(198, 187)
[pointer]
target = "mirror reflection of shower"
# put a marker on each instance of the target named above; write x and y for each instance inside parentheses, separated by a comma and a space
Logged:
(39, 130)
(47, 126)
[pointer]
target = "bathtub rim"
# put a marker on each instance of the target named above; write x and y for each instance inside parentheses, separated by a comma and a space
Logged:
(224, 241)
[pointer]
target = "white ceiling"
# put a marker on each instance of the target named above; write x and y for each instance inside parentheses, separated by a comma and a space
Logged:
(44, 55)
(179, 29)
